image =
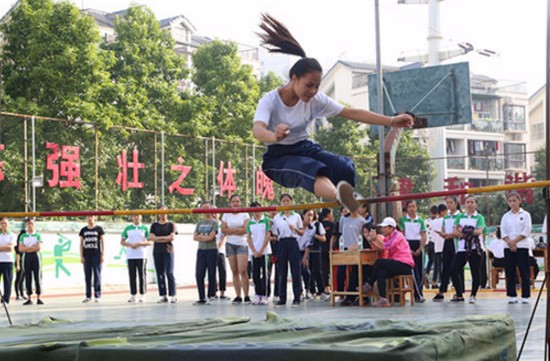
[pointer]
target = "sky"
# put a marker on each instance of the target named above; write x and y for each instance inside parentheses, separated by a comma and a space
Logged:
(345, 29)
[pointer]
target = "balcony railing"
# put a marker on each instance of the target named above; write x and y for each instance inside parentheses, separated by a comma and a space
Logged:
(492, 163)
(456, 163)
(487, 125)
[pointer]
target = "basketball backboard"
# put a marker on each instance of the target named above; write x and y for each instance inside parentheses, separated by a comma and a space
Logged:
(438, 95)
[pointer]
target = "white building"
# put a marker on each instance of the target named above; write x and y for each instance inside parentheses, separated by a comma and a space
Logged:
(480, 153)
(182, 30)
(537, 121)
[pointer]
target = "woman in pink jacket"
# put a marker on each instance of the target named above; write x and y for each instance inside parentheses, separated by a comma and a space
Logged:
(398, 261)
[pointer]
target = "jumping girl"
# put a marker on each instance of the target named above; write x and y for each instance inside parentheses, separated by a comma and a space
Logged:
(283, 119)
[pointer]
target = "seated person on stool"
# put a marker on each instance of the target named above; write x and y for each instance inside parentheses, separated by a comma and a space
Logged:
(399, 259)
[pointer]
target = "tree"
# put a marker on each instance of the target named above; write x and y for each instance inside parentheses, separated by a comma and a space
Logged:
(538, 208)
(228, 87)
(269, 82)
(145, 72)
(51, 63)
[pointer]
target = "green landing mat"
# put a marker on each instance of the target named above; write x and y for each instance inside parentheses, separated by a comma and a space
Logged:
(275, 338)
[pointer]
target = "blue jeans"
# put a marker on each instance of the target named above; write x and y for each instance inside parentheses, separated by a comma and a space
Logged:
(206, 260)
(164, 267)
(92, 267)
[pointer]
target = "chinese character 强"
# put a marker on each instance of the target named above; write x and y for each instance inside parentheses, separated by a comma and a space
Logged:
(66, 173)
(135, 165)
(177, 184)
(227, 184)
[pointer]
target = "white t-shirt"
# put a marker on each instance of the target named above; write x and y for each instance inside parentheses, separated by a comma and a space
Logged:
(7, 240)
(272, 111)
(282, 222)
(257, 230)
(306, 239)
(135, 234)
(235, 220)
(433, 225)
(219, 239)
(514, 224)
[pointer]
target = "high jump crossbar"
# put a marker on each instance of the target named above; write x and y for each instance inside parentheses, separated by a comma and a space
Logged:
(294, 207)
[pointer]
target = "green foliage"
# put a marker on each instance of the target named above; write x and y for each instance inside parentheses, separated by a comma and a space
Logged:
(145, 72)
(229, 88)
(51, 62)
(269, 82)
(538, 208)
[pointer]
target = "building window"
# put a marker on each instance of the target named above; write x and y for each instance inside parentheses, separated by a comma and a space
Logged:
(515, 155)
(537, 131)
(514, 117)
(359, 80)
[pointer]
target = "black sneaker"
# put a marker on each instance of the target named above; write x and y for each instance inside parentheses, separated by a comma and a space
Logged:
(39, 302)
(247, 300)
(237, 300)
(296, 303)
(438, 298)
(346, 302)
(27, 302)
(457, 299)
(280, 303)
(201, 303)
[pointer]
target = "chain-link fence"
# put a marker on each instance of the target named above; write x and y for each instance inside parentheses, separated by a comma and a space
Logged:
(57, 164)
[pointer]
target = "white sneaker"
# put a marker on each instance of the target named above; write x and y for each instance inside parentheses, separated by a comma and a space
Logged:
(96, 300)
(86, 300)
(163, 299)
(472, 299)
(173, 300)
(132, 299)
(345, 196)
(140, 298)
(525, 300)
(264, 301)
(512, 300)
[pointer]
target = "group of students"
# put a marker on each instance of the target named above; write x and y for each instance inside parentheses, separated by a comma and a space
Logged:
(135, 237)
(259, 244)
(457, 238)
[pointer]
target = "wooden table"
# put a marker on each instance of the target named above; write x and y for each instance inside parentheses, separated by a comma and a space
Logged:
(351, 258)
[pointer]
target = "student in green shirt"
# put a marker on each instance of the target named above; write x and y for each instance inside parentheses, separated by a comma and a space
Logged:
(134, 238)
(29, 245)
(467, 251)
(414, 229)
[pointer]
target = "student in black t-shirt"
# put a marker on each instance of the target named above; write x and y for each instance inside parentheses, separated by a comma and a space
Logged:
(163, 233)
(91, 256)
(20, 271)
(326, 217)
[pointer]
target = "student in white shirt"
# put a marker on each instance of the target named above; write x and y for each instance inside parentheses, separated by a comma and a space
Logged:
(515, 228)
(134, 238)
(449, 212)
(283, 118)
(236, 248)
(288, 227)
(258, 236)
(7, 243)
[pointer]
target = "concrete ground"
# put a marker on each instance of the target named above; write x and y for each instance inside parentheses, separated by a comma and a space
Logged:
(67, 304)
